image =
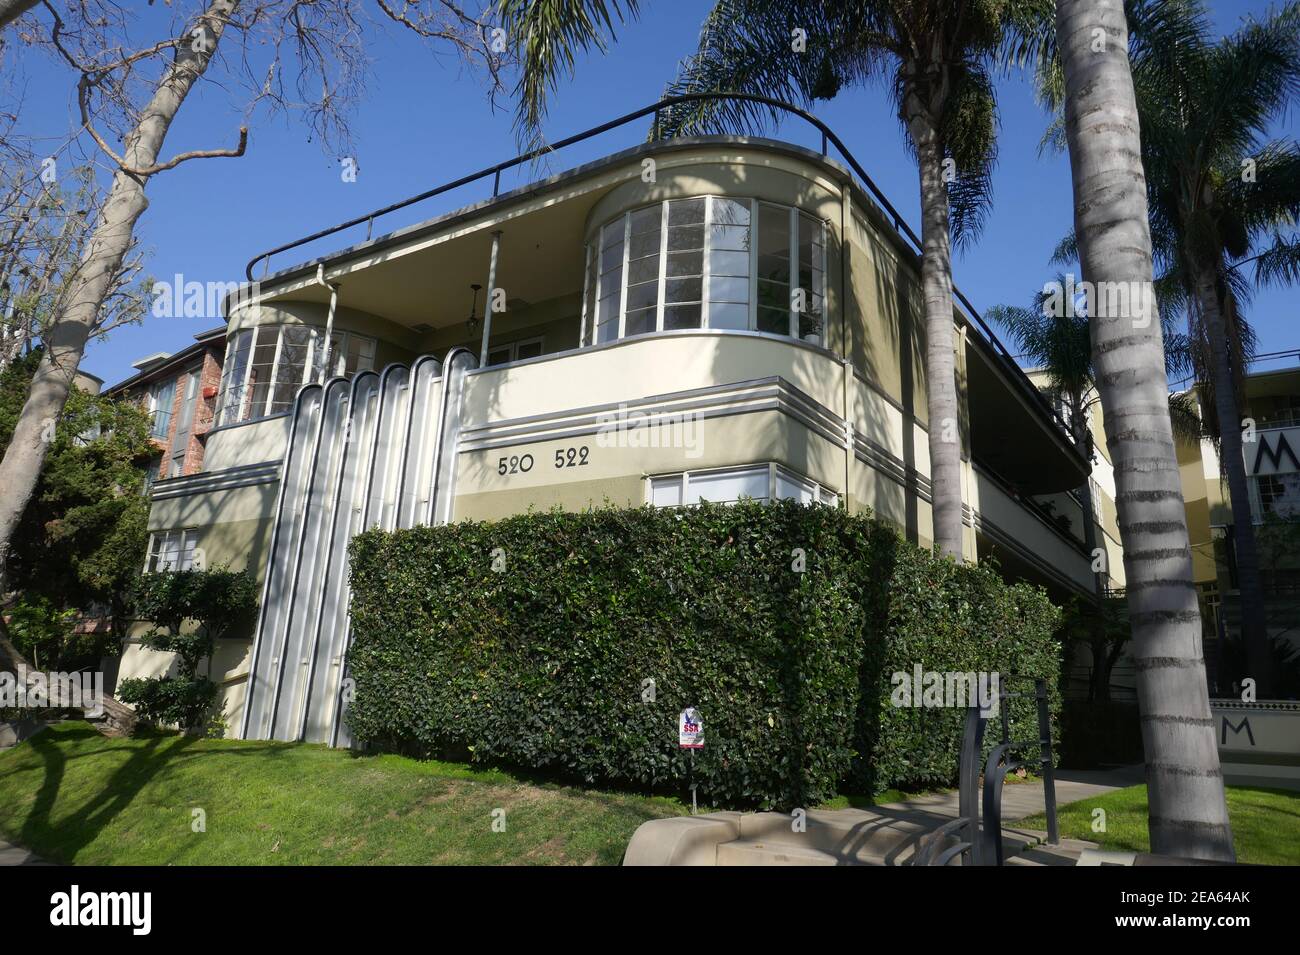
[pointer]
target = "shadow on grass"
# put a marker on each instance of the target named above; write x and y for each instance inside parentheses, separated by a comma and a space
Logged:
(147, 755)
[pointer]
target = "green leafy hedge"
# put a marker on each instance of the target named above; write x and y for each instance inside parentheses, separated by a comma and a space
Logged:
(547, 660)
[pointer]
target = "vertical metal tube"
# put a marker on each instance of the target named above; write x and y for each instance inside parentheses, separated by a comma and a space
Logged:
(487, 303)
(1049, 773)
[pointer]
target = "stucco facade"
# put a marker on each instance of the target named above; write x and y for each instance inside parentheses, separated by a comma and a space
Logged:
(640, 354)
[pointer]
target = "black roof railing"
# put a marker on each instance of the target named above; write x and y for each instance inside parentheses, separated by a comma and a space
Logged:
(1005, 357)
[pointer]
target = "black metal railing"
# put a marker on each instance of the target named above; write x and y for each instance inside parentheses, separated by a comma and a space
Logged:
(828, 138)
(979, 832)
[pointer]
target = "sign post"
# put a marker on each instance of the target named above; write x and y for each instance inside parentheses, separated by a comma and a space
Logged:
(690, 736)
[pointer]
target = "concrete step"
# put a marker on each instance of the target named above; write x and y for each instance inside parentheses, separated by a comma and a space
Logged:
(847, 834)
(749, 852)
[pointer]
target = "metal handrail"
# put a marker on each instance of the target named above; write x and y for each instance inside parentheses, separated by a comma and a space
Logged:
(1005, 357)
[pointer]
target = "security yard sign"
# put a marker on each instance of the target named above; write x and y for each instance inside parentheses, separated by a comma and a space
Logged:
(690, 729)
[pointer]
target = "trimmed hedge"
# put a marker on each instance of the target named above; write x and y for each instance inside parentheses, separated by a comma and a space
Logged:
(544, 662)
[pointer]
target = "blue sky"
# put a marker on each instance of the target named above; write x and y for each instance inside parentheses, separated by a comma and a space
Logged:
(424, 122)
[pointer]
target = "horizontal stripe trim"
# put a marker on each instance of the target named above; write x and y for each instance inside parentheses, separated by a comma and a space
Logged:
(247, 475)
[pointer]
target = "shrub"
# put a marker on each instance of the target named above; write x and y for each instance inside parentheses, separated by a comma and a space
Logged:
(190, 611)
(577, 652)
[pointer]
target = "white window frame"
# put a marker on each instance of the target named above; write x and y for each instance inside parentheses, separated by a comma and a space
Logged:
(817, 489)
(792, 229)
(309, 367)
(187, 542)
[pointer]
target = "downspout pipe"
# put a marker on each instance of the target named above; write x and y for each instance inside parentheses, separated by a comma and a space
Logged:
(329, 321)
(487, 302)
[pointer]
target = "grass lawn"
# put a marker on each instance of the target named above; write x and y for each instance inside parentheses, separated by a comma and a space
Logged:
(1265, 823)
(71, 795)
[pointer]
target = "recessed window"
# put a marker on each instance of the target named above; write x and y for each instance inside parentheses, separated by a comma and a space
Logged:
(708, 262)
(759, 482)
(266, 366)
(171, 550)
(515, 351)
(161, 397)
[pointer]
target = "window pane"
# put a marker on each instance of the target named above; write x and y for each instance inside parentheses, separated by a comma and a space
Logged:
(259, 379)
(499, 356)
(643, 270)
(293, 366)
(730, 212)
(729, 237)
(681, 316)
(645, 244)
(727, 486)
(729, 263)
(164, 396)
(612, 234)
(646, 220)
(728, 289)
(684, 237)
(666, 491)
(685, 211)
(728, 315)
(232, 399)
(685, 263)
(639, 322)
(645, 295)
(774, 321)
(789, 488)
(683, 290)
(360, 356)
(527, 350)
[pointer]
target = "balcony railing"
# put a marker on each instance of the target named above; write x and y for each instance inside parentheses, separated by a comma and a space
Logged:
(982, 330)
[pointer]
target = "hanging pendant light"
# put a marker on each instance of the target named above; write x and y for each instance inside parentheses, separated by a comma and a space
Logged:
(471, 324)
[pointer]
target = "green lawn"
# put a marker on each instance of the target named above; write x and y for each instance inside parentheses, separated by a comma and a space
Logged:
(71, 795)
(1265, 823)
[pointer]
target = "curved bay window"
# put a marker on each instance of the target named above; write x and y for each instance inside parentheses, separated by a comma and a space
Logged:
(265, 367)
(707, 262)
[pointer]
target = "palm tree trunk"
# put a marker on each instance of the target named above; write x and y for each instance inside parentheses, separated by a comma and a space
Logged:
(1254, 630)
(101, 260)
(940, 366)
(1187, 814)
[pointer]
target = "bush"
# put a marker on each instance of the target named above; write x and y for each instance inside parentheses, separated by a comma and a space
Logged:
(190, 610)
(577, 652)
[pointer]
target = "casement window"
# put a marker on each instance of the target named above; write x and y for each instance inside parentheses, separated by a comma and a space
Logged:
(1277, 494)
(171, 550)
(707, 262)
(760, 482)
(515, 351)
(161, 397)
(266, 366)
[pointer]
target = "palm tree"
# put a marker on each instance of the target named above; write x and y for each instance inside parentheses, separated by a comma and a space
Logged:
(1053, 335)
(936, 56)
(1217, 191)
(1187, 813)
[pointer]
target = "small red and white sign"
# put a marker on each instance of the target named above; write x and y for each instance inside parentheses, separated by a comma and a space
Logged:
(690, 729)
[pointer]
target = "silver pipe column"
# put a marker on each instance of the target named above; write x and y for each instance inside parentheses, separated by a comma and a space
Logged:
(487, 303)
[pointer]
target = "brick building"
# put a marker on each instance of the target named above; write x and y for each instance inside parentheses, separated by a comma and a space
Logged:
(181, 392)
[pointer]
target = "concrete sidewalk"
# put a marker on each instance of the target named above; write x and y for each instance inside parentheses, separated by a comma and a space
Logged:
(16, 855)
(1025, 799)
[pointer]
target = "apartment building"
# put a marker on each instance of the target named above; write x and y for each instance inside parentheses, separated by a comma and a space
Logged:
(697, 319)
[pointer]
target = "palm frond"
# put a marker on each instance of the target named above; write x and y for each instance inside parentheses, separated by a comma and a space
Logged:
(548, 36)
